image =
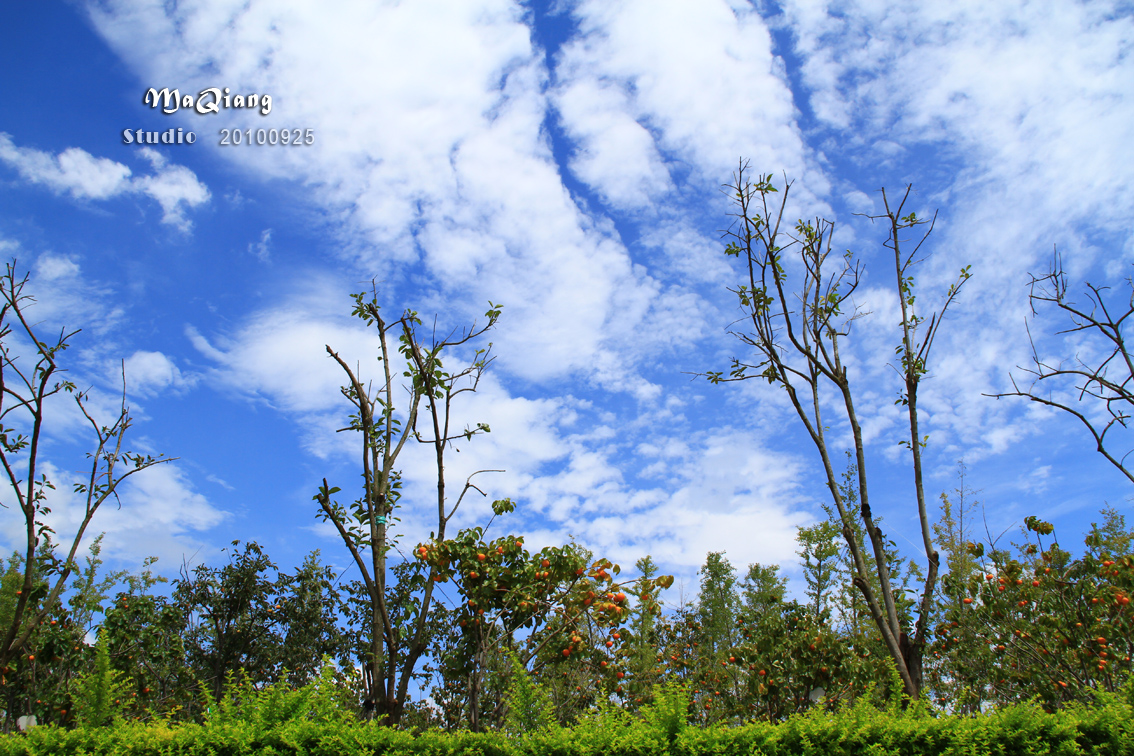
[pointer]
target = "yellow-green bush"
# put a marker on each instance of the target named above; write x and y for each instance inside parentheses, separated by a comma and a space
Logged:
(1106, 728)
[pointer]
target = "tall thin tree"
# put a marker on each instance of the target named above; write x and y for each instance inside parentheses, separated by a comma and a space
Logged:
(797, 337)
(398, 635)
(26, 391)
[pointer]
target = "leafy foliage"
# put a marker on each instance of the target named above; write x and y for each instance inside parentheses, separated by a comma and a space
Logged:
(529, 706)
(99, 694)
(242, 657)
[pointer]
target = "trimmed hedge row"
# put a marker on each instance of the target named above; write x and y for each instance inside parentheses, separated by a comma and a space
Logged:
(1107, 728)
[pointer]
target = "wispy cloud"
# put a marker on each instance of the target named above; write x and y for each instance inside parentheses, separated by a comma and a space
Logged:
(437, 129)
(263, 248)
(1021, 110)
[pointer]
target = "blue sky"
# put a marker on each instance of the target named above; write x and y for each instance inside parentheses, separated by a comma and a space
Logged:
(564, 159)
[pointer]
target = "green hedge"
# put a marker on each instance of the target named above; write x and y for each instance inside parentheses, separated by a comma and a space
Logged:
(1106, 728)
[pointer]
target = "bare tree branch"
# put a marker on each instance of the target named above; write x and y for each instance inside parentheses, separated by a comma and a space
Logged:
(1110, 382)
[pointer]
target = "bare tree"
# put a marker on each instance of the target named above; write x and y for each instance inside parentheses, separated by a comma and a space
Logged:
(797, 336)
(24, 395)
(1108, 381)
(396, 647)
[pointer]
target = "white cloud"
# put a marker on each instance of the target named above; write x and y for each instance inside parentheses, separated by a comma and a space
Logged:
(73, 170)
(690, 255)
(52, 268)
(698, 78)
(723, 491)
(66, 296)
(447, 164)
(614, 153)
(84, 176)
(1011, 114)
(149, 373)
(263, 248)
(432, 159)
(1030, 100)
(430, 145)
(572, 472)
(279, 354)
(174, 187)
(159, 515)
(624, 491)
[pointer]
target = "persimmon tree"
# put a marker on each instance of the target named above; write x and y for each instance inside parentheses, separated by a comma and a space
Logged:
(571, 608)
(1099, 393)
(36, 681)
(395, 647)
(30, 378)
(1052, 626)
(799, 336)
(747, 652)
(786, 662)
(145, 637)
(42, 681)
(230, 617)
